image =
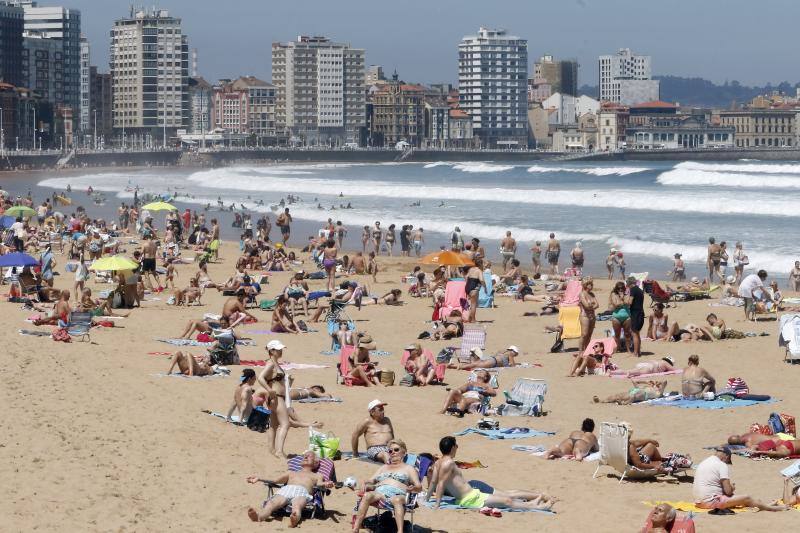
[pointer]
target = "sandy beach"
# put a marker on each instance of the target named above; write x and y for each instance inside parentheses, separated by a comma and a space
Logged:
(93, 439)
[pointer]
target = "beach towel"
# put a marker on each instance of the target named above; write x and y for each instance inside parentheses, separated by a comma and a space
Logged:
(684, 403)
(486, 297)
(466, 465)
(34, 333)
(505, 434)
(569, 318)
(160, 353)
(689, 507)
(448, 502)
(319, 400)
(455, 297)
(192, 342)
(572, 293)
(184, 376)
(285, 365)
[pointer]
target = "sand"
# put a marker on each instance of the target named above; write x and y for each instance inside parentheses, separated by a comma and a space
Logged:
(92, 440)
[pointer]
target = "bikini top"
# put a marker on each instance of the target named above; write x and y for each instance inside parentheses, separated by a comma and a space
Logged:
(400, 477)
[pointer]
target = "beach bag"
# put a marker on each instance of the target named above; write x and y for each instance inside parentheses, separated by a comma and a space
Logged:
(325, 445)
(762, 429)
(387, 377)
(775, 423)
(444, 356)
(60, 334)
(788, 424)
(258, 419)
(407, 380)
(738, 386)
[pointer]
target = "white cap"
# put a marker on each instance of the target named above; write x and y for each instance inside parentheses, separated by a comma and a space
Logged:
(477, 351)
(695, 279)
(375, 403)
(513, 349)
(275, 345)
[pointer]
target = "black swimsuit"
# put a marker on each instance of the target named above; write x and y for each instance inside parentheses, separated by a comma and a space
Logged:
(472, 284)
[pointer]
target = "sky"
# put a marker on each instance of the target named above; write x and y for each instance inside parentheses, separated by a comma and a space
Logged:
(752, 42)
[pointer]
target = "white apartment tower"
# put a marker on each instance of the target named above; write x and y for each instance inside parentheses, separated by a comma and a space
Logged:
(625, 78)
(149, 75)
(86, 87)
(492, 80)
(319, 89)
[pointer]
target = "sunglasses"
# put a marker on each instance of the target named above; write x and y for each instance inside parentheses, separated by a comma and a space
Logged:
(396, 450)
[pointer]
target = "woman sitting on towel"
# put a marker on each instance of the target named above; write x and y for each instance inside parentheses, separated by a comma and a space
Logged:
(472, 392)
(590, 361)
(640, 392)
(579, 444)
(243, 396)
(696, 380)
(282, 319)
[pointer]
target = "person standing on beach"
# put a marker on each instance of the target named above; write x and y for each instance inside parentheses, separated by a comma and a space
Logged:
(149, 254)
(740, 261)
(390, 238)
(754, 283)
(536, 253)
(713, 259)
(508, 249)
(636, 299)
(456, 240)
(553, 251)
(477, 250)
(419, 240)
(377, 236)
(577, 256)
(284, 220)
(678, 269)
(341, 231)
(794, 277)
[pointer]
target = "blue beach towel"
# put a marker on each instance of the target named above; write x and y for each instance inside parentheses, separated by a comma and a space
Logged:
(705, 404)
(505, 434)
(448, 502)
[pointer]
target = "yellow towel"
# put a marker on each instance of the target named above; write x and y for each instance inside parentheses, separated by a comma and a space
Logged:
(568, 317)
(687, 507)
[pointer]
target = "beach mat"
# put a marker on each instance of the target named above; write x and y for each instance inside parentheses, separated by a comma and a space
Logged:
(319, 400)
(624, 375)
(705, 404)
(449, 503)
(285, 366)
(689, 507)
(193, 342)
(504, 434)
(184, 376)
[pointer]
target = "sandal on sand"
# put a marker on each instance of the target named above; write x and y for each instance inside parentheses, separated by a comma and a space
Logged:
(486, 510)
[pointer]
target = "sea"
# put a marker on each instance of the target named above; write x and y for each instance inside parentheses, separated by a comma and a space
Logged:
(647, 210)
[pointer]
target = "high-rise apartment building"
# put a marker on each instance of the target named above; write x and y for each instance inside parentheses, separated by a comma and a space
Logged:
(492, 79)
(150, 74)
(374, 75)
(320, 97)
(12, 23)
(625, 78)
(200, 97)
(100, 106)
(562, 76)
(63, 26)
(86, 87)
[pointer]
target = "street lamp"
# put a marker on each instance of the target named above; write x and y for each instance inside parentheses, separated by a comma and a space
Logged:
(2, 135)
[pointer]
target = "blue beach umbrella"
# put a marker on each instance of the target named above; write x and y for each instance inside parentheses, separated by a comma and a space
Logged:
(17, 259)
(6, 221)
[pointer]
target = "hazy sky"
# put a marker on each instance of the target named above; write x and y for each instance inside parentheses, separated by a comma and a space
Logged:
(753, 42)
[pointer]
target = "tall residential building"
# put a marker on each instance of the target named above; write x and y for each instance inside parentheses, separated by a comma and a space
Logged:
(492, 78)
(320, 95)
(42, 65)
(245, 106)
(86, 97)
(150, 74)
(398, 114)
(562, 76)
(374, 75)
(625, 78)
(200, 97)
(11, 26)
(100, 119)
(62, 25)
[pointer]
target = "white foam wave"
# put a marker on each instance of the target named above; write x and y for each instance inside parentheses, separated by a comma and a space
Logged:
(767, 168)
(438, 164)
(482, 167)
(686, 177)
(720, 203)
(592, 171)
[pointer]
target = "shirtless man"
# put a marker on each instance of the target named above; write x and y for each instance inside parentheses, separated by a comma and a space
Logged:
(577, 256)
(766, 445)
(508, 249)
(377, 431)
(448, 480)
(298, 488)
(553, 251)
(359, 263)
(234, 311)
(714, 258)
(149, 254)
(283, 222)
(61, 312)
(418, 240)
(579, 443)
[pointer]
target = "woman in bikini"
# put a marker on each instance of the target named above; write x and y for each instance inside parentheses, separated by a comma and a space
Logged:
(296, 294)
(641, 391)
(657, 328)
(282, 319)
(584, 362)
(314, 391)
(696, 381)
(452, 326)
(390, 298)
(579, 444)
(474, 278)
(243, 396)
(390, 238)
(204, 280)
(199, 365)
(503, 359)
(276, 383)
(690, 332)
(365, 236)
(329, 262)
(588, 304)
(620, 316)
(390, 484)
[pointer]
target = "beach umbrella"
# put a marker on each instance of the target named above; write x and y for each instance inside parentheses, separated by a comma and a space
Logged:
(20, 211)
(159, 206)
(6, 221)
(446, 258)
(17, 259)
(114, 262)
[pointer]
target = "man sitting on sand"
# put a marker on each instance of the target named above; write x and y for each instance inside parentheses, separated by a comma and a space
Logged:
(579, 444)
(362, 369)
(472, 392)
(377, 431)
(61, 312)
(712, 487)
(640, 392)
(296, 492)
(448, 480)
(234, 311)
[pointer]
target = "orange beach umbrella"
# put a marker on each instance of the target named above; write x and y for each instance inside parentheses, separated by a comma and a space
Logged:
(446, 258)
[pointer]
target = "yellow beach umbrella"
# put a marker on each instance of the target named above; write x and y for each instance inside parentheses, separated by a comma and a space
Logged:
(20, 211)
(159, 206)
(446, 258)
(114, 262)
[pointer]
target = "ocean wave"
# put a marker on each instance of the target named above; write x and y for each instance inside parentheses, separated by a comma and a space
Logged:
(481, 167)
(748, 167)
(438, 164)
(719, 203)
(592, 171)
(687, 177)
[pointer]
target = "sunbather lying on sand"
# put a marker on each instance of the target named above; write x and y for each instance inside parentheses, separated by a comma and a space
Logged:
(766, 445)
(579, 444)
(641, 391)
(665, 364)
(690, 332)
(459, 400)
(198, 365)
(500, 360)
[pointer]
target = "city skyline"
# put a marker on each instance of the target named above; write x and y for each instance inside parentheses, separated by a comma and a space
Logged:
(587, 29)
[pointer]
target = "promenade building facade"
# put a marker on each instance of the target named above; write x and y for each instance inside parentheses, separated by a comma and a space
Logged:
(625, 78)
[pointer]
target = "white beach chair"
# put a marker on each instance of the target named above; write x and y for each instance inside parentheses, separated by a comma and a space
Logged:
(614, 441)
(791, 480)
(474, 337)
(526, 398)
(789, 336)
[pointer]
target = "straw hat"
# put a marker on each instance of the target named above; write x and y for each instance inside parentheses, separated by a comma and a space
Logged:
(367, 343)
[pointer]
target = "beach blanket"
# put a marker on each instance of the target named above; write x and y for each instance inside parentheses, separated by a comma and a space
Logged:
(448, 502)
(689, 507)
(34, 333)
(159, 353)
(193, 342)
(184, 376)
(539, 451)
(285, 365)
(744, 451)
(624, 375)
(234, 418)
(705, 404)
(319, 400)
(505, 434)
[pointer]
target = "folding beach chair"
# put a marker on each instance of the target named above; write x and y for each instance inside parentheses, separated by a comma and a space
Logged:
(333, 329)
(657, 293)
(525, 399)
(572, 293)
(344, 366)
(455, 297)
(474, 337)
(609, 349)
(486, 296)
(316, 507)
(79, 325)
(421, 465)
(791, 480)
(570, 322)
(789, 336)
(439, 368)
